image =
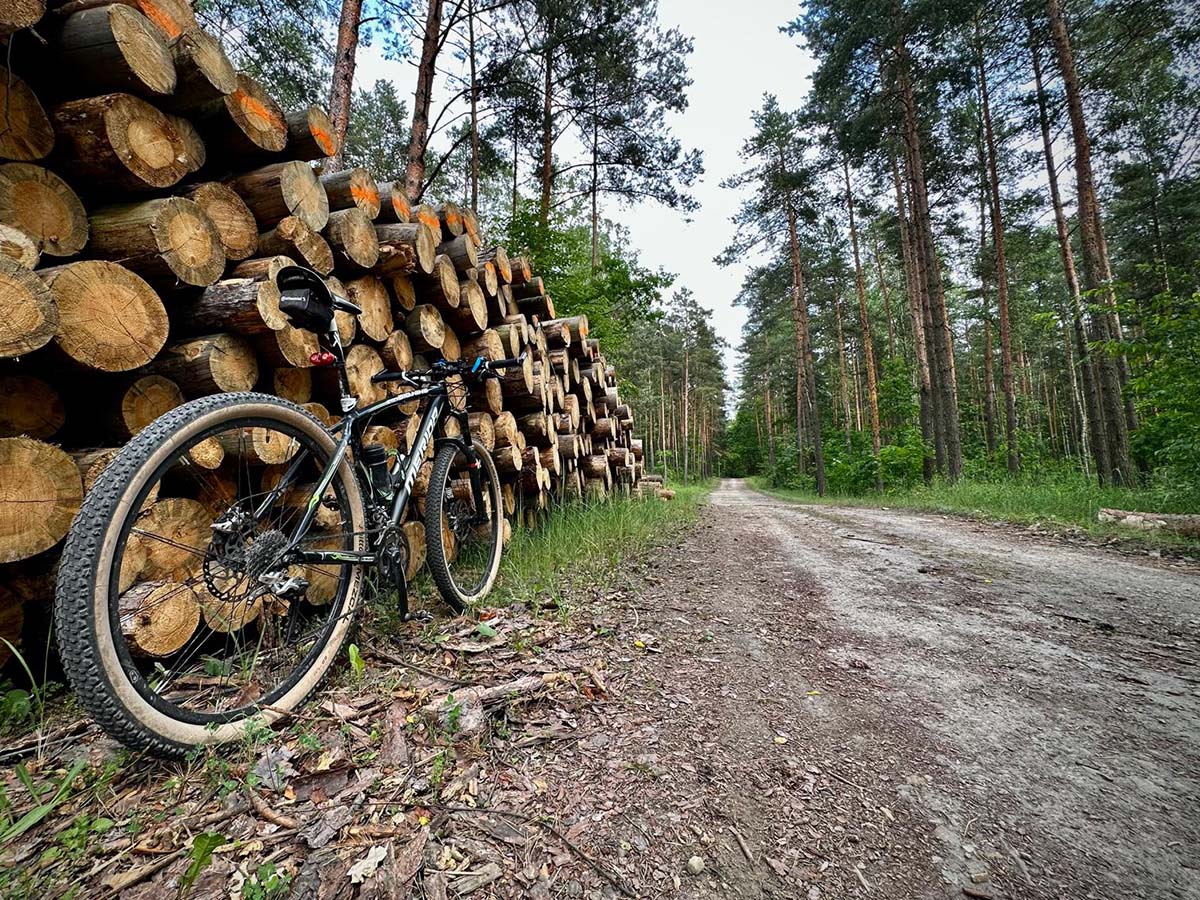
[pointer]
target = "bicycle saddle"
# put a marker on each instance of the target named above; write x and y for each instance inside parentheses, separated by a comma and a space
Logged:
(307, 301)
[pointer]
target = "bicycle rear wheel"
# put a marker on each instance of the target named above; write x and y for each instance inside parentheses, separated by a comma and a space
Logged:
(178, 620)
(463, 540)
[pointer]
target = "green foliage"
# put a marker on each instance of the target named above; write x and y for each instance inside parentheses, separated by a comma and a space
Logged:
(267, 883)
(377, 138)
(200, 857)
(358, 665)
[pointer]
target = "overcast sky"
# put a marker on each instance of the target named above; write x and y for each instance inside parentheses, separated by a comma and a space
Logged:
(739, 55)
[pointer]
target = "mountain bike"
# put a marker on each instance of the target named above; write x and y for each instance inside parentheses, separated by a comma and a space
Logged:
(213, 574)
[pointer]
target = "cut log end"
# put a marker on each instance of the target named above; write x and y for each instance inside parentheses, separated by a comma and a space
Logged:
(31, 317)
(38, 203)
(40, 492)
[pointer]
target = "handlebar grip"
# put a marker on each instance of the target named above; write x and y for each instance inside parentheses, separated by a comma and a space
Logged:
(509, 363)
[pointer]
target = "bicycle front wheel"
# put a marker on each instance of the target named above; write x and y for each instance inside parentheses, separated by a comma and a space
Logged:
(179, 617)
(462, 537)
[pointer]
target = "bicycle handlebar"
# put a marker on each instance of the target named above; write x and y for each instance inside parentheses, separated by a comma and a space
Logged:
(443, 368)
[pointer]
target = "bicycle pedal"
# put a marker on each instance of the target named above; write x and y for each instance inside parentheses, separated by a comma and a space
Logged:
(421, 616)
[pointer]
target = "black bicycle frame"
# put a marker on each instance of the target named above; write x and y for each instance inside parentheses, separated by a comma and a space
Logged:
(351, 427)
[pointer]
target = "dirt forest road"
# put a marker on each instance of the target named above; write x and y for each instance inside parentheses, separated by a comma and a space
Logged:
(825, 702)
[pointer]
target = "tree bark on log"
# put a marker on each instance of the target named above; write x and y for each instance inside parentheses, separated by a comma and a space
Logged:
(171, 17)
(245, 124)
(211, 364)
(415, 236)
(203, 73)
(109, 49)
(311, 135)
(352, 188)
(166, 241)
(279, 190)
(109, 318)
(116, 142)
(25, 130)
(461, 253)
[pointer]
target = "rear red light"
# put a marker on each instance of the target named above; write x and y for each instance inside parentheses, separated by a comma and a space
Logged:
(322, 358)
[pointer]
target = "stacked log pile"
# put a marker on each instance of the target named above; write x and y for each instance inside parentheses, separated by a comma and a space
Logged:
(148, 194)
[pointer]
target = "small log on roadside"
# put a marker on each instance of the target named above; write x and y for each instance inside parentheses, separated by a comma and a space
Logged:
(109, 318)
(1173, 523)
(42, 492)
(116, 142)
(352, 188)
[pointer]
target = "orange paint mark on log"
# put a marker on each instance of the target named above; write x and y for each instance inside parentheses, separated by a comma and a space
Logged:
(400, 205)
(432, 221)
(259, 110)
(161, 19)
(325, 140)
(366, 194)
(453, 218)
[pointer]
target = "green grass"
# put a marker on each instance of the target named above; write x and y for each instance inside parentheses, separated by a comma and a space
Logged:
(584, 544)
(1061, 502)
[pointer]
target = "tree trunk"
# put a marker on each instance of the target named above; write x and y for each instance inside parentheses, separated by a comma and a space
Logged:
(941, 337)
(1091, 235)
(1006, 361)
(917, 320)
(843, 382)
(474, 106)
(1094, 415)
(865, 325)
(547, 130)
(414, 176)
(342, 88)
